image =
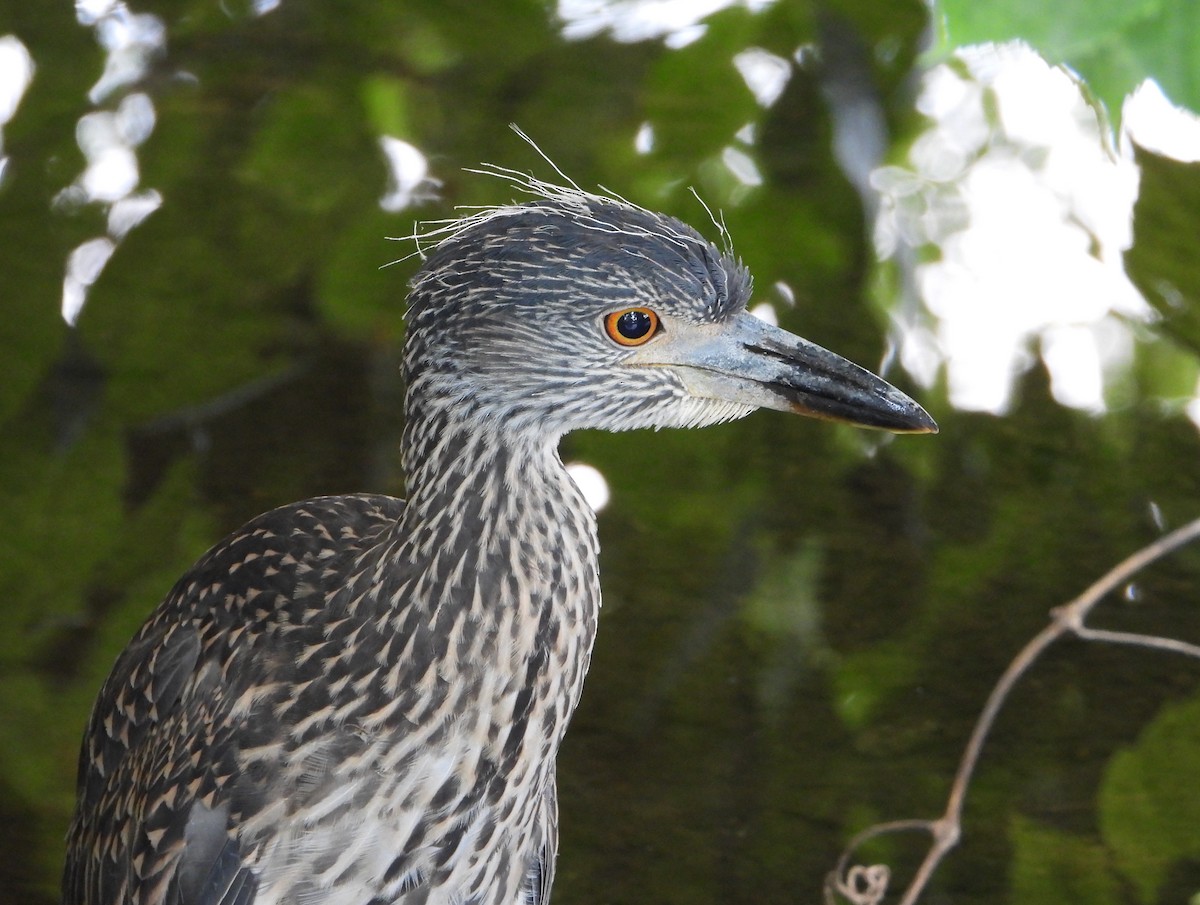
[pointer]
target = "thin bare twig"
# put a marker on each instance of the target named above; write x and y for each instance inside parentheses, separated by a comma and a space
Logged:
(868, 885)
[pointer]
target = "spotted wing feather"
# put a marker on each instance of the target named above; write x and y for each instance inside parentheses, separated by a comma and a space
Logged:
(157, 819)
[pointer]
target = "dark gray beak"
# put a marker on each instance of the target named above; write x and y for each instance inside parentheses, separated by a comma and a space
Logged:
(746, 360)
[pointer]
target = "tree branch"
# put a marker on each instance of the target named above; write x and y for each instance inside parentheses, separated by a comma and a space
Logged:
(868, 885)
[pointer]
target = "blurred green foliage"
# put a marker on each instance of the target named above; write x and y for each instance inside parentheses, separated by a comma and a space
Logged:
(801, 621)
(1146, 815)
(1162, 261)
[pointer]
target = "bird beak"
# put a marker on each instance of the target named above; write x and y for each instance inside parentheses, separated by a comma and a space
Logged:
(749, 362)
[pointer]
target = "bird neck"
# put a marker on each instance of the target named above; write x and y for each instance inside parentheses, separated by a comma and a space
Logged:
(483, 493)
(500, 535)
(463, 469)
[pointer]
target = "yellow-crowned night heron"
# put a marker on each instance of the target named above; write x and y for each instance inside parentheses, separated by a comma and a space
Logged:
(358, 700)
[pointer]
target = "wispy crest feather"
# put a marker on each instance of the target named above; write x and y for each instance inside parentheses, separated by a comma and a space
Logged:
(555, 200)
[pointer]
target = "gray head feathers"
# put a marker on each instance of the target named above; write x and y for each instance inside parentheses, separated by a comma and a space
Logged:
(506, 312)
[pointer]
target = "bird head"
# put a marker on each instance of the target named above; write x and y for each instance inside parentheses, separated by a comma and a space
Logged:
(583, 311)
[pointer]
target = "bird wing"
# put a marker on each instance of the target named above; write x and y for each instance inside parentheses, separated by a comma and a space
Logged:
(152, 824)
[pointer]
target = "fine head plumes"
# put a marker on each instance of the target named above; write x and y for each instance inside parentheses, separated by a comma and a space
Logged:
(577, 310)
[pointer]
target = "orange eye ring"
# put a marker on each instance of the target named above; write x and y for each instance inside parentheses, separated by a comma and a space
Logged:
(631, 326)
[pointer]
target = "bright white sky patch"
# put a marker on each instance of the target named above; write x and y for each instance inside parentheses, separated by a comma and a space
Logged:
(16, 72)
(643, 142)
(785, 292)
(1157, 125)
(83, 268)
(1031, 213)
(1072, 356)
(109, 139)
(1193, 407)
(742, 166)
(131, 40)
(765, 74)
(112, 169)
(591, 484)
(765, 312)
(676, 22)
(409, 181)
(131, 210)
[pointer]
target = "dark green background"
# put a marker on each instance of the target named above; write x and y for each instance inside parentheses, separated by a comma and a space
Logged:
(801, 620)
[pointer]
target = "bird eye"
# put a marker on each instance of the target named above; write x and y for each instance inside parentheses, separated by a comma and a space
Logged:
(631, 327)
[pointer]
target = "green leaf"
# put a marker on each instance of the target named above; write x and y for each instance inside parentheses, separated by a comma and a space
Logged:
(1052, 866)
(1113, 44)
(1148, 813)
(1162, 262)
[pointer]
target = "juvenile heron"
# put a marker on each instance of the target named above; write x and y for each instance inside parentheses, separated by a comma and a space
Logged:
(358, 700)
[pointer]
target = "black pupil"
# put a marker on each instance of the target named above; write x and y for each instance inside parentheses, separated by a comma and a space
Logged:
(634, 324)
